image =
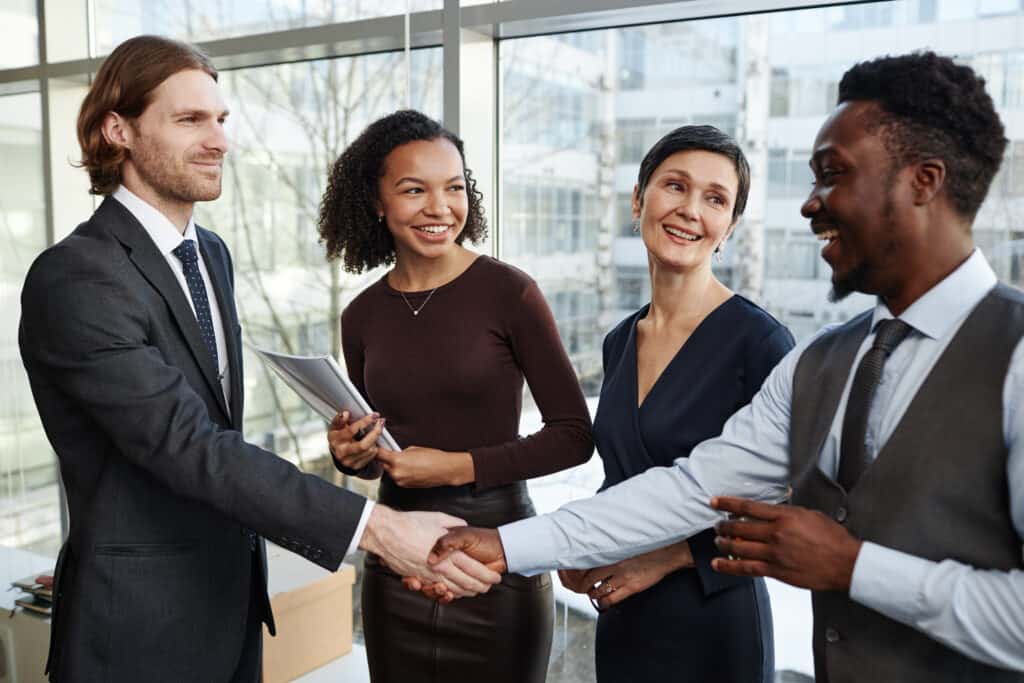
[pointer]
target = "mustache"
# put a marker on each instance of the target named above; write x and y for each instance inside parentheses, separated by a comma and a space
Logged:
(208, 158)
(821, 225)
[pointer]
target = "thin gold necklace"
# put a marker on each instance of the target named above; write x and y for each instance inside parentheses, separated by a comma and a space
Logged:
(416, 311)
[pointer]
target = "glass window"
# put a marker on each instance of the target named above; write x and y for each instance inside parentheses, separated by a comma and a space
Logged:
(288, 125)
(1013, 93)
(118, 20)
(632, 71)
(927, 11)
(955, 10)
(29, 507)
(803, 90)
(990, 7)
(779, 102)
(20, 33)
(592, 288)
(634, 137)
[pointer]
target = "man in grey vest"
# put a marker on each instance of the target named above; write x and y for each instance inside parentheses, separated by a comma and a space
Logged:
(900, 434)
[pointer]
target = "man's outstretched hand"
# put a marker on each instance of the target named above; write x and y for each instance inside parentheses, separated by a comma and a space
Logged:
(403, 541)
(483, 545)
(456, 547)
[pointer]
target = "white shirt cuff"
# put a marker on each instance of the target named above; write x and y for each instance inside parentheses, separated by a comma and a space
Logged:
(890, 582)
(363, 519)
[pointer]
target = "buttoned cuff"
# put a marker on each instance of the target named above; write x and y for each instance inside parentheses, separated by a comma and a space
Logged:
(889, 582)
(363, 519)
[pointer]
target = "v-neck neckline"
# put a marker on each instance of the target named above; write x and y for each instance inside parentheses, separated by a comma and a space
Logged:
(635, 352)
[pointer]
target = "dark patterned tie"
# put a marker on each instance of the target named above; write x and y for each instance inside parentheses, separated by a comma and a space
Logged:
(186, 253)
(853, 456)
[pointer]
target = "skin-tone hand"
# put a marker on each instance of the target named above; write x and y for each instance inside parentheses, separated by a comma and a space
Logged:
(439, 590)
(573, 580)
(607, 586)
(349, 451)
(801, 547)
(417, 467)
(482, 545)
(403, 541)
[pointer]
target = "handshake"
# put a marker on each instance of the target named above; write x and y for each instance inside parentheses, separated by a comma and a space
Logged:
(437, 554)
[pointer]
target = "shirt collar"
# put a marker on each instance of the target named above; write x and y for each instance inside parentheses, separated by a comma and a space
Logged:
(942, 307)
(159, 228)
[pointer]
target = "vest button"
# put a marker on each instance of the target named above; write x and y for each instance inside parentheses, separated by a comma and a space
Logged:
(831, 635)
(841, 515)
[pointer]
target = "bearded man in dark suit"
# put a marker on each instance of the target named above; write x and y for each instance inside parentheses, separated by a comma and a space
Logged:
(132, 345)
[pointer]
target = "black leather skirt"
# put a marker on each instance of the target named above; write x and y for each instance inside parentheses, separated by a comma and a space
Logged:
(501, 636)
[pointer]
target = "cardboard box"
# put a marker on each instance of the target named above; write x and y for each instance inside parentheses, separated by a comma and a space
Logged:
(313, 614)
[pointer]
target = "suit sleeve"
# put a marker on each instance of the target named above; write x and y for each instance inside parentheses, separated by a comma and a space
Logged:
(761, 358)
(85, 332)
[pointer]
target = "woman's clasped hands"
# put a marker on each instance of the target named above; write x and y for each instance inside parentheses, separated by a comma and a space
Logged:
(354, 446)
(607, 586)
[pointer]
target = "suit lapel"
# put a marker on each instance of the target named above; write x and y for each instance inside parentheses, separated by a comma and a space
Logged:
(153, 266)
(218, 269)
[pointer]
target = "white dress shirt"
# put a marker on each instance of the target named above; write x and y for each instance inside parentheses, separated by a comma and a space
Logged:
(167, 238)
(979, 613)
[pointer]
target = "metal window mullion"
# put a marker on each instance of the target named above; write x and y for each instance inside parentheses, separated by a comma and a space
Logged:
(44, 97)
(451, 82)
(379, 34)
(499, 121)
(44, 101)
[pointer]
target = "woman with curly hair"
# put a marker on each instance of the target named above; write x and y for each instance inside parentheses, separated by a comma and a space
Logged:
(440, 346)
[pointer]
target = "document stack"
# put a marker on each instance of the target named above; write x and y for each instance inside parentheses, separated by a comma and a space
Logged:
(38, 594)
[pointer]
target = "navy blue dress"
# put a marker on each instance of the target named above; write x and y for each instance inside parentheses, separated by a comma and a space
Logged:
(695, 624)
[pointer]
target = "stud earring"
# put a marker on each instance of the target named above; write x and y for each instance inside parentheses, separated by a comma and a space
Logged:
(380, 218)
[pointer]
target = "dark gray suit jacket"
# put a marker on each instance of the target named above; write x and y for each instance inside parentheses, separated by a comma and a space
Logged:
(155, 580)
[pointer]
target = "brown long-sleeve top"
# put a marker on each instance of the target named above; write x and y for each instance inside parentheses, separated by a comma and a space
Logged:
(451, 377)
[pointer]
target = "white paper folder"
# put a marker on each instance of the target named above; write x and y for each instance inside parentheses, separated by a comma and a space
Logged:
(323, 386)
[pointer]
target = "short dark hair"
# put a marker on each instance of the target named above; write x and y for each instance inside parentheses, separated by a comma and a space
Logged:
(933, 108)
(703, 138)
(348, 217)
(124, 84)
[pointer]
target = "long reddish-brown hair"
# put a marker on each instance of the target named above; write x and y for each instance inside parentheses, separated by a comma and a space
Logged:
(124, 84)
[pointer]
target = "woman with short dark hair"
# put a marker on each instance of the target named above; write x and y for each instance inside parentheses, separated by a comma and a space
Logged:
(440, 346)
(674, 372)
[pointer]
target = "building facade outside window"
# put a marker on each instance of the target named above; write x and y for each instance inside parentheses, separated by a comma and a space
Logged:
(577, 111)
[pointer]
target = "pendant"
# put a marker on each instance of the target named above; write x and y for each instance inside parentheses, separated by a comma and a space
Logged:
(415, 312)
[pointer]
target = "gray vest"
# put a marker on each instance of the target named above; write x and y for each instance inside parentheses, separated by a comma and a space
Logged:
(937, 490)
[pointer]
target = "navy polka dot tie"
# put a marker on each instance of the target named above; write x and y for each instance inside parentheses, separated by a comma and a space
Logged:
(186, 253)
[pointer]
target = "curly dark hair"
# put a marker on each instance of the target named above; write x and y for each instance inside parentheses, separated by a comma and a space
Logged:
(932, 107)
(348, 219)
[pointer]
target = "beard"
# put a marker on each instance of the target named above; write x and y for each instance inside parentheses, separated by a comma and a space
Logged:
(844, 286)
(859, 278)
(172, 177)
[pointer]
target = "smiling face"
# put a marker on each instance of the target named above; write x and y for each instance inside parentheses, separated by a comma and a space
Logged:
(423, 197)
(177, 145)
(686, 210)
(856, 203)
